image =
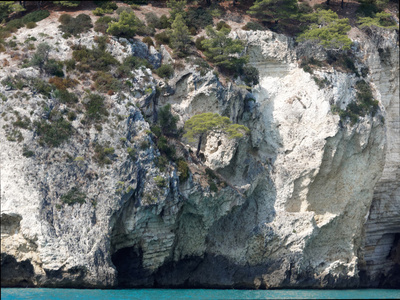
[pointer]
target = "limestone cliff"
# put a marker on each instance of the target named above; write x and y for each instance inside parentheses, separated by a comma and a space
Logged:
(306, 200)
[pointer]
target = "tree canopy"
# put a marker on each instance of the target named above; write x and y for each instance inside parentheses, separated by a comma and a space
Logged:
(273, 10)
(180, 36)
(127, 25)
(222, 50)
(202, 124)
(328, 30)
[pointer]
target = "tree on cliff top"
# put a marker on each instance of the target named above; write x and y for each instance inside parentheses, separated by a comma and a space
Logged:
(327, 30)
(274, 10)
(127, 25)
(200, 125)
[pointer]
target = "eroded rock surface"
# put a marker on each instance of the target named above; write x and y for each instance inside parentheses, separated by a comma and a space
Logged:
(292, 203)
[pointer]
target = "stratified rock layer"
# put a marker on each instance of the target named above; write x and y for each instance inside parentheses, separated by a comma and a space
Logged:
(289, 203)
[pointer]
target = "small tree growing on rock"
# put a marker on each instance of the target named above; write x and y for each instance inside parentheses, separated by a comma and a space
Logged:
(180, 37)
(200, 125)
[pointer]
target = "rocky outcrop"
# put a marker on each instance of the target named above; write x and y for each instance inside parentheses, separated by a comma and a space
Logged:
(285, 206)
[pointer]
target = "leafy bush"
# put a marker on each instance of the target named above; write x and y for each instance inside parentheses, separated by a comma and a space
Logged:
(40, 86)
(381, 19)
(55, 132)
(54, 68)
(162, 38)
(167, 120)
(103, 154)
(148, 40)
(63, 83)
(127, 25)
(105, 82)
(26, 152)
(95, 108)
(41, 55)
(160, 181)
(132, 153)
(97, 59)
(165, 148)
(35, 16)
(253, 26)
(199, 18)
(164, 22)
(123, 8)
(66, 97)
(222, 24)
(73, 196)
(250, 75)
(75, 26)
(102, 23)
(183, 170)
(31, 25)
(165, 71)
(152, 20)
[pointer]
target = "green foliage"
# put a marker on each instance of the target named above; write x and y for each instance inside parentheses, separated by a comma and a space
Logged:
(165, 148)
(199, 44)
(40, 86)
(67, 3)
(75, 26)
(55, 132)
(8, 7)
(97, 59)
(160, 181)
(41, 56)
(152, 20)
(222, 24)
(148, 40)
(31, 25)
(163, 38)
(177, 7)
(54, 68)
(328, 31)
(274, 10)
(165, 71)
(132, 153)
(66, 97)
(180, 36)
(167, 120)
(23, 122)
(253, 26)
(103, 154)
(164, 23)
(27, 152)
(202, 124)
(73, 196)
(127, 25)
(102, 23)
(123, 8)
(199, 18)
(381, 19)
(183, 170)
(364, 104)
(250, 75)
(105, 82)
(219, 49)
(95, 108)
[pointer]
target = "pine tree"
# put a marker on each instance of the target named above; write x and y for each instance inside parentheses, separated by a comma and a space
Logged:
(221, 50)
(200, 125)
(180, 36)
(67, 3)
(127, 25)
(177, 7)
(328, 30)
(274, 10)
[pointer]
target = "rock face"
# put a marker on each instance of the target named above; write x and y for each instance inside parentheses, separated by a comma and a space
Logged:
(305, 200)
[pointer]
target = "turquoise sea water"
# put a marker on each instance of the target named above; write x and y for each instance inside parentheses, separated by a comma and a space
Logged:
(159, 294)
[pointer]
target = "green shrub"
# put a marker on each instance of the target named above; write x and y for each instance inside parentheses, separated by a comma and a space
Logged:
(152, 20)
(250, 75)
(103, 154)
(162, 38)
(102, 23)
(31, 25)
(127, 25)
(165, 71)
(95, 108)
(144, 145)
(148, 40)
(23, 122)
(183, 170)
(123, 8)
(96, 59)
(164, 22)
(167, 120)
(71, 116)
(199, 18)
(381, 19)
(132, 153)
(66, 97)
(73, 196)
(253, 26)
(36, 16)
(54, 68)
(165, 148)
(160, 181)
(105, 82)
(222, 24)
(26, 152)
(55, 132)
(40, 86)
(75, 26)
